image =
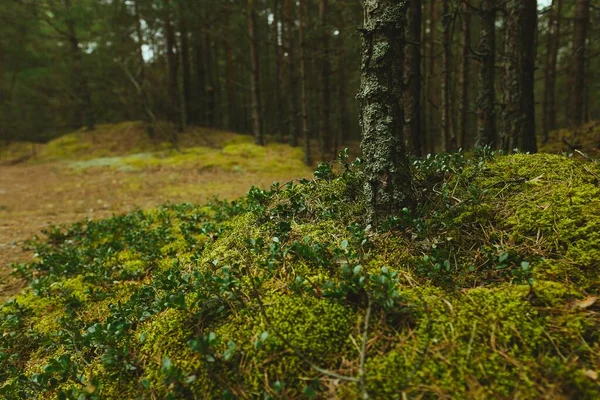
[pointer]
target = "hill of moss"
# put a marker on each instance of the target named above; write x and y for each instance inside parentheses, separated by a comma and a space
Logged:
(485, 287)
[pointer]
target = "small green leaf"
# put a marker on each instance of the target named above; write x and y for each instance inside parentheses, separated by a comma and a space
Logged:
(503, 257)
(344, 244)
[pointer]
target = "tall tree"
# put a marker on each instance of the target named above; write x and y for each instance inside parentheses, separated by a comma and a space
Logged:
(431, 78)
(582, 18)
(387, 172)
(292, 76)
(325, 106)
(464, 75)
(412, 77)
(185, 61)
(174, 115)
(255, 75)
(519, 68)
(486, 114)
(303, 85)
(278, 128)
(553, 43)
(448, 135)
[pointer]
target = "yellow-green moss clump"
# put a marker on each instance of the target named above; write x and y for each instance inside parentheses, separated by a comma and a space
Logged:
(487, 287)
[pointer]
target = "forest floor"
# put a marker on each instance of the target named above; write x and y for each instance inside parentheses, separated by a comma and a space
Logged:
(71, 181)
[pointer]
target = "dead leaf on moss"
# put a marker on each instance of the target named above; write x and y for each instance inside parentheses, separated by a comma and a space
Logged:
(583, 304)
(591, 374)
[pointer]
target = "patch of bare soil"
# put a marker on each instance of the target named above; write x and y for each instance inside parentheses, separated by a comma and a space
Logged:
(34, 197)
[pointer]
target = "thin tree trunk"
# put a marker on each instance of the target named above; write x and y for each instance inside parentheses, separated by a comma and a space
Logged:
(324, 120)
(464, 76)
(486, 118)
(344, 121)
(582, 17)
(387, 173)
(303, 96)
(412, 77)
(519, 67)
(278, 101)
(232, 102)
(201, 79)
(255, 76)
(185, 63)
(292, 78)
(549, 101)
(85, 111)
(432, 100)
(448, 138)
(172, 66)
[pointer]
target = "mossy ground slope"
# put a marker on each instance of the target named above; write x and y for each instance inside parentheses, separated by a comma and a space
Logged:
(485, 288)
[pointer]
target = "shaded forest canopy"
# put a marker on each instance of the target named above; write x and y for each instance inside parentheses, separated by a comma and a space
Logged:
(266, 67)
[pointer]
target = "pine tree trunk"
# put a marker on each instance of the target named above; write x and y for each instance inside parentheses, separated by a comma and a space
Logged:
(325, 111)
(412, 77)
(278, 129)
(200, 110)
(448, 138)
(549, 102)
(185, 63)
(582, 17)
(254, 76)
(486, 118)
(387, 173)
(303, 84)
(172, 66)
(232, 100)
(464, 77)
(292, 77)
(519, 67)
(432, 98)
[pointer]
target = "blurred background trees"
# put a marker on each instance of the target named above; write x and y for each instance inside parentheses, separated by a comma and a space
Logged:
(478, 71)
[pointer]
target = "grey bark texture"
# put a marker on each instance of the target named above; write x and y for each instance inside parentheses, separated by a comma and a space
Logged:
(387, 171)
(519, 67)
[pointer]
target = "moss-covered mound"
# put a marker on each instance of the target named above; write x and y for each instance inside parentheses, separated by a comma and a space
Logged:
(485, 288)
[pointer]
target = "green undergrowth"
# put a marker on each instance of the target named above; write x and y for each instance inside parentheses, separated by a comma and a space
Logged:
(484, 288)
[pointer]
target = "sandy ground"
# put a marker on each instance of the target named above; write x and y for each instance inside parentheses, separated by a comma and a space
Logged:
(33, 197)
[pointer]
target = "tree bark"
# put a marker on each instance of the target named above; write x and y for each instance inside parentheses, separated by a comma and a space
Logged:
(303, 99)
(292, 77)
(174, 115)
(185, 63)
(486, 118)
(387, 173)
(325, 109)
(255, 76)
(277, 50)
(412, 77)
(549, 101)
(200, 109)
(464, 77)
(448, 138)
(519, 67)
(432, 97)
(582, 18)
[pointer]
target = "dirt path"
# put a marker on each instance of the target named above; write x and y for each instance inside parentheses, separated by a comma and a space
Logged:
(33, 197)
